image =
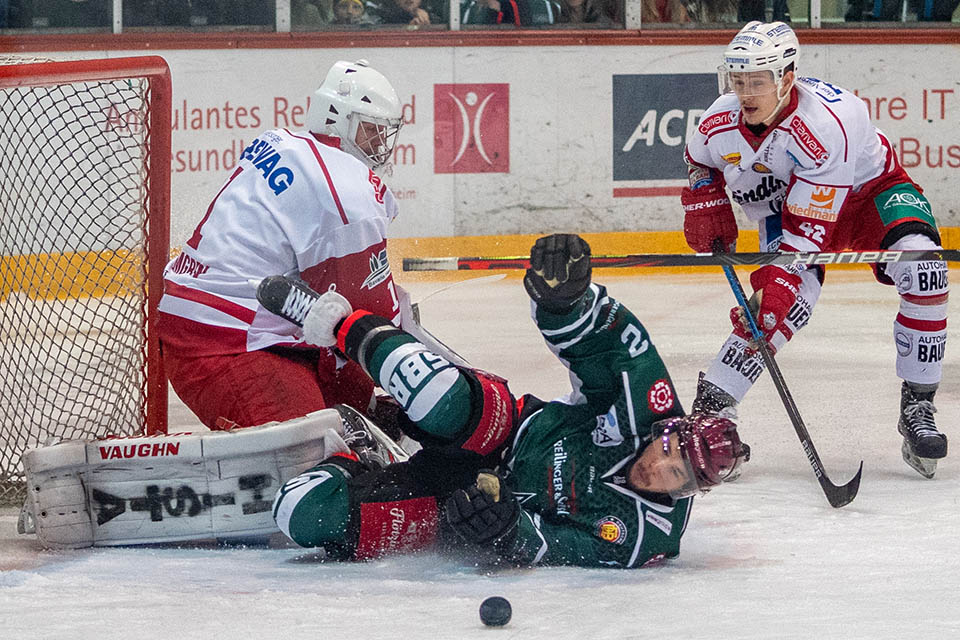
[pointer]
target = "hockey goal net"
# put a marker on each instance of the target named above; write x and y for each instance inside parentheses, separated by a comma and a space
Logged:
(84, 233)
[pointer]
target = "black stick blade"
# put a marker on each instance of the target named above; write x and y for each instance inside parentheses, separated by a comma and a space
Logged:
(840, 496)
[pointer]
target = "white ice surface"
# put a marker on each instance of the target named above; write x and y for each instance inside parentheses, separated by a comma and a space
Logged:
(765, 557)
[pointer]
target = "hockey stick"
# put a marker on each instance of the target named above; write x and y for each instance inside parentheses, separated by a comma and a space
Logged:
(837, 496)
(690, 259)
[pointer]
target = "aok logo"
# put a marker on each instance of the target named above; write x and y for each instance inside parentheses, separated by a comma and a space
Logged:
(471, 128)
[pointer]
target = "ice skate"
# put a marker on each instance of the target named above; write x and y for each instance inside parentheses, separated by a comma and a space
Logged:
(923, 444)
(712, 400)
(372, 446)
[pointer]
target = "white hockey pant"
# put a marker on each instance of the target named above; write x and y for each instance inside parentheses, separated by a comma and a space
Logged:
(734, 370)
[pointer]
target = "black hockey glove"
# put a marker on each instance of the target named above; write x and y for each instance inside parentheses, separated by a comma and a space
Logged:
(485, 513)
(559, 272)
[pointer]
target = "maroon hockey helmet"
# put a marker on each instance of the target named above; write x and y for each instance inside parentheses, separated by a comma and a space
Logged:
(710, 446)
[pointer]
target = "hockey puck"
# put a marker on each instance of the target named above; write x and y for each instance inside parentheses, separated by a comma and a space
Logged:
(495, 611)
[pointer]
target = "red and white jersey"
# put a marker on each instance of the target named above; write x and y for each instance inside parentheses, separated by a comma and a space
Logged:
(295, 204)
(822, 150)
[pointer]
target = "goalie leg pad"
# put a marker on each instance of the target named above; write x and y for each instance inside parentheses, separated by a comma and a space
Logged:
(178, 487)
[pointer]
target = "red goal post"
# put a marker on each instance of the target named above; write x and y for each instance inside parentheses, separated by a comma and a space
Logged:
(84, 234)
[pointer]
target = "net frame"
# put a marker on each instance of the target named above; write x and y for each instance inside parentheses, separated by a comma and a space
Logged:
(150, 259)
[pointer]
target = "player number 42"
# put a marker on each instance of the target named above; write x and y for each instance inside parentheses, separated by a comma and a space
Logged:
(813, 231)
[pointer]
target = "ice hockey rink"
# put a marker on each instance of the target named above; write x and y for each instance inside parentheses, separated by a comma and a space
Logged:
(764, 557)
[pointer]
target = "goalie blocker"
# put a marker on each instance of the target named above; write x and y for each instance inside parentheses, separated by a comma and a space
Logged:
(172, 488)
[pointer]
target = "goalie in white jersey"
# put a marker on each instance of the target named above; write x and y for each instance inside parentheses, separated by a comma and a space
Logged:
(803, 160)
(300, 203)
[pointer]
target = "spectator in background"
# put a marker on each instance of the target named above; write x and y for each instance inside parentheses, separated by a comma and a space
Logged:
(311, 13)
(600, 12)
(663, 11)
(892, 10)
(527, 13)
(414, 12)
(712, 10)
(354, 12)
(490, 12)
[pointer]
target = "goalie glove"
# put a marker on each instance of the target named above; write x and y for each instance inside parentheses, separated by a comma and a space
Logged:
(775, 292)
(485, 513)
(708, 217)
(559, 272)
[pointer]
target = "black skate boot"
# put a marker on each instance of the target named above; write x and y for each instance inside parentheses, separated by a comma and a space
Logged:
(712, 400)
(373, 447)
(923, 444)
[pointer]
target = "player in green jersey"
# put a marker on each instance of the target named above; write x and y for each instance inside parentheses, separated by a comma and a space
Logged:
(602, 477)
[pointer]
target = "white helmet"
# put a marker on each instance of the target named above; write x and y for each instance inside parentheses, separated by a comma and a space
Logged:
(759, 46)
(353, 93)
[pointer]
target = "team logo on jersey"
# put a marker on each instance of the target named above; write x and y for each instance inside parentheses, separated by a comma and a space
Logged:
(807, 141)
(471, 128)
(607, 431)
(660, 396)
(761, 168)
(716, 121)
(732, 158)
(379, 270)
(611, 529)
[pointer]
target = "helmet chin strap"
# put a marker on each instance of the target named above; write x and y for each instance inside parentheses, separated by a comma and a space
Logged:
(781, 103)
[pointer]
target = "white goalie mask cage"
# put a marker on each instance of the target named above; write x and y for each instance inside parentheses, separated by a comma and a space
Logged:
(351, 94)
(758, 47)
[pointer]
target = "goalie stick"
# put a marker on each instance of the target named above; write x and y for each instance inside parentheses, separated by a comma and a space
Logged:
(690, 259)
(837, 496)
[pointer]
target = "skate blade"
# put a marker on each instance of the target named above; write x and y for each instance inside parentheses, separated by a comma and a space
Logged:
(926, 467)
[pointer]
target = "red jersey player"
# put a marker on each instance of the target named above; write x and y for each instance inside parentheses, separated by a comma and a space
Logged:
(803, 160)
(303, 203)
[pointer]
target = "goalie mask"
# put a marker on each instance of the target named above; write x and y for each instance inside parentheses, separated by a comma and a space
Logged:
(709, 447)
(756, 60)
(360, 107)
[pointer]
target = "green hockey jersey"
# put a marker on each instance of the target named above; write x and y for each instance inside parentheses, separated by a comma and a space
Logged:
(569, 460)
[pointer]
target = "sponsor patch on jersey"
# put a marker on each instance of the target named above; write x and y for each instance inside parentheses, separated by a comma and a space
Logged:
(815, 201)
(607, 431)
(761, 168)
(659, 522)
(716, 120)
(660, 397)
(906, 199)
(611, 529)
(807, 141)
(379, 270)
(732, 158)
(904, 343)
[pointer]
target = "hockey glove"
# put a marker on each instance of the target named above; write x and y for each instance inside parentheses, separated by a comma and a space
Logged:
(559, 272)
(320, 325)
(775, 292)
(485, 513)
(708, 217)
